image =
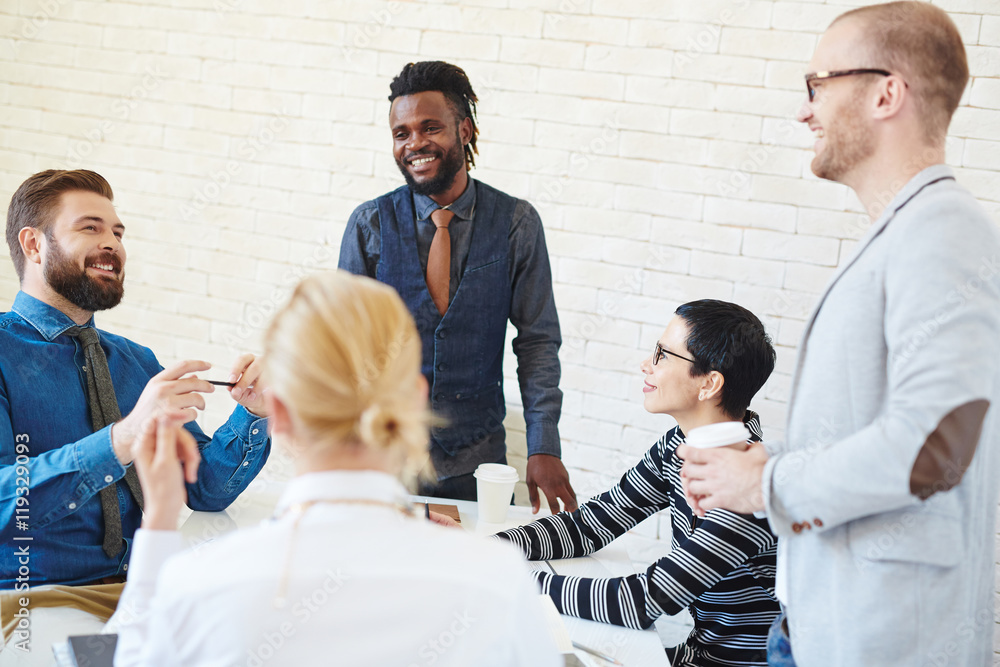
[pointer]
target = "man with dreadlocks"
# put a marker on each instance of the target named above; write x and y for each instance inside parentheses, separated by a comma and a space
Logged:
(466, 258)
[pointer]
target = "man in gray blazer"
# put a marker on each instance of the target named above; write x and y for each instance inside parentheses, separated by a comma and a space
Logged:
(885, 493)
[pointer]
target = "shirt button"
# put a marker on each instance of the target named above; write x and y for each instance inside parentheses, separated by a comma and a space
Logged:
(246, 463)
(255, 431)
(125, 567)
(72, 506)
(109, 479)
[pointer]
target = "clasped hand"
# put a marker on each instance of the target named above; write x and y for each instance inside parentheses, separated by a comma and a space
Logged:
(166, 455)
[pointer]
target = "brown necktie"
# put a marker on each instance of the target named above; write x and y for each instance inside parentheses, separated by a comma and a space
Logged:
(103, 411)
(439, 260)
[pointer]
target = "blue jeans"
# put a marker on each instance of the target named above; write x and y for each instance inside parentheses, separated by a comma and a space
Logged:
(779, 647)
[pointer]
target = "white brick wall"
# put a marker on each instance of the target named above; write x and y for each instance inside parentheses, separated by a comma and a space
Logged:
(655, 137)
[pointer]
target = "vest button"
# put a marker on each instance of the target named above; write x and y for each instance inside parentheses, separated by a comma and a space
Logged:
(442, 333)
(439, 397)
(442, 367)
(457, 396)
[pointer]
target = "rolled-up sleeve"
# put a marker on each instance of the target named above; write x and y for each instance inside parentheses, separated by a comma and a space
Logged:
(533, 314)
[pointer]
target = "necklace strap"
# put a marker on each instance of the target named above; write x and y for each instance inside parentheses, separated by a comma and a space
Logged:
(300, 509)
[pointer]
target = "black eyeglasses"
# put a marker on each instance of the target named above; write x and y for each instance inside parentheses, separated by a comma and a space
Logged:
(660, 352)
(822, 76)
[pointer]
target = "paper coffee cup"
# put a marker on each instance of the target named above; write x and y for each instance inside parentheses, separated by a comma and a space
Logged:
(494, 488)
(723, 434)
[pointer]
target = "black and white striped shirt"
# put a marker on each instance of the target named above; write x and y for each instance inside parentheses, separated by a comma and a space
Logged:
(720, 567)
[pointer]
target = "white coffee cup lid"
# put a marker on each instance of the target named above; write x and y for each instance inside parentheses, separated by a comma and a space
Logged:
(496, 472)
(717, 435)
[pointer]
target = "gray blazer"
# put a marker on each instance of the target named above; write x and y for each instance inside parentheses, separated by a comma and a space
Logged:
(886, 490)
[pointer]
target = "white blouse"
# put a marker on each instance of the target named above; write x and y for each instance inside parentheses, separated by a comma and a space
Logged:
(366, 585)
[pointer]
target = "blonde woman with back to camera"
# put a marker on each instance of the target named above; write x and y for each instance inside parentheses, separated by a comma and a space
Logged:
(344, 574)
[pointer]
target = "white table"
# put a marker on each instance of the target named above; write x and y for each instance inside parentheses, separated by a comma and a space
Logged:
(633, 648)
(630, 647)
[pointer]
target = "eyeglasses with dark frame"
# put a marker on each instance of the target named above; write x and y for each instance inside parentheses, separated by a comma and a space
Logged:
(822, 76)
(660, 352)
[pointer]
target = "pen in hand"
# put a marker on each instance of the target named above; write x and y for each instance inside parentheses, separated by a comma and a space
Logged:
(220, 383)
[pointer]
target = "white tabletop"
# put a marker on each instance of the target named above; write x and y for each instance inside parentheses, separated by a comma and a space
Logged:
(630, 647)
(633, 648)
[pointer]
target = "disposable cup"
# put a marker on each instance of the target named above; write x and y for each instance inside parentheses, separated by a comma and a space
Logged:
(723, 434)
(494, 488)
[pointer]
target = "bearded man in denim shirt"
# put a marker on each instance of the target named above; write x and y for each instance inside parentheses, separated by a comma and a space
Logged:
(494, 268)
(66, 241)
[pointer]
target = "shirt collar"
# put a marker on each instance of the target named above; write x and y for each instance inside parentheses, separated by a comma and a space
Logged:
(926, 177)
(48, 320)
(343, 484)
(462, 207)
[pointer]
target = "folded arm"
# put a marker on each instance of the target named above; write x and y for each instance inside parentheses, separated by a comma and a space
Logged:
(722, 542)
(642, 492)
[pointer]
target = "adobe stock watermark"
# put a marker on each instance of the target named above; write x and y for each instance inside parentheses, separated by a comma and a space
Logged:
(20, 640)
(260, 313)
(251, 146)
(223, 7)
(302, 611)
(581, 159)
(33, 25)
(432, 650)
(361, 36)
(756, 157)
(962, 636)
(120, 110)
(657, 260)
(708, 37)
(565, 7)
(984, 274)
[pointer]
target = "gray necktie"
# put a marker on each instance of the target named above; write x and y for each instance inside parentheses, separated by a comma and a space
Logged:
(103, 411)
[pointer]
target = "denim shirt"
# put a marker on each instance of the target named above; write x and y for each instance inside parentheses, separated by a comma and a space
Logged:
(44, 416)
(532, 305)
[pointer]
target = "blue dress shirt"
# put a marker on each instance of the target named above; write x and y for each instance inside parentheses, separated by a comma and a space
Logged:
(47, 446)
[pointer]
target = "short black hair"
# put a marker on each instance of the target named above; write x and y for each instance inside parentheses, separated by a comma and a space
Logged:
(449, 80)
(728, 338)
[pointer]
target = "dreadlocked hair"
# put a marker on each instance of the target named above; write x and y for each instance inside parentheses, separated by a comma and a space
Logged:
(452, 82)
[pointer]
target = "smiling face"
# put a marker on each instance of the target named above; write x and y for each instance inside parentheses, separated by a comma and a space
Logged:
(429, 145)
(83, 258)
(669, 386)
(844, 137)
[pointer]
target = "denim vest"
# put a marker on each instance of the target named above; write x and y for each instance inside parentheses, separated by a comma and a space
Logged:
(463, 349)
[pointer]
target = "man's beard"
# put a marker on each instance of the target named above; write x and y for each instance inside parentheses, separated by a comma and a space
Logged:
(849, 144)
(91, 294)
(451, 163)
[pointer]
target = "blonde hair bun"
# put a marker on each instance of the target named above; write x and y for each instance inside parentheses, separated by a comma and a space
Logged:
(379, 427)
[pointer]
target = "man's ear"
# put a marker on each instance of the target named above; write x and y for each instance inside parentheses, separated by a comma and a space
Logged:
(32, 241)
(711, 386)
(892, 94)
(465, 130)
(279, 420)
